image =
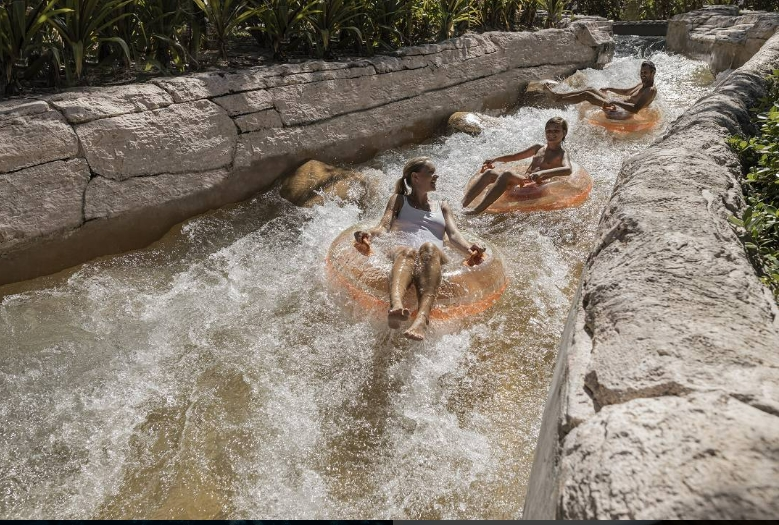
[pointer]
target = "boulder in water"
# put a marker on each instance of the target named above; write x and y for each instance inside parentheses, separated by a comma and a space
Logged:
(466, 122)
(308, 184)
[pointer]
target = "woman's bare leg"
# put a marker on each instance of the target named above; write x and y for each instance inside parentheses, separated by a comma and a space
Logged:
(477, 184)
(427, 277)
(505, 180)
(400, 279)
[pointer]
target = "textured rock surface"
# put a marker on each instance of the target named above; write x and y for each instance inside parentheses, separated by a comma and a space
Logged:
(195, 136)
(86, 104)
(720, 35)
(466, 122)
(41, 201)
(672, 342)
(705, 456)
(31, 133)
(308, 183)
(109, 198)
(198, 142)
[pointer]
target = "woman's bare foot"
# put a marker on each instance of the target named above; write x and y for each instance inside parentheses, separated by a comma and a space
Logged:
(418, 328)
(396, 316)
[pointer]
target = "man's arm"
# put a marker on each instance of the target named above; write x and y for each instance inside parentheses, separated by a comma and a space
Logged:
(622, 91)
(643, 100)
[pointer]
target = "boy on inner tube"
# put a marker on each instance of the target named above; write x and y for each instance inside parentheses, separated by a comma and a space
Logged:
(548, 161)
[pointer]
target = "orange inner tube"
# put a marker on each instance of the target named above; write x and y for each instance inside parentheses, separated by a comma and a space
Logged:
(620, 121)
(464, 291)
(555, 194)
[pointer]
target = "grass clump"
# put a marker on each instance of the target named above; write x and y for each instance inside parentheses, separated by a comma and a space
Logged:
(760, 158)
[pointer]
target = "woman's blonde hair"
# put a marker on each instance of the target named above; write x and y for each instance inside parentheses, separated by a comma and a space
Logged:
(412, 166)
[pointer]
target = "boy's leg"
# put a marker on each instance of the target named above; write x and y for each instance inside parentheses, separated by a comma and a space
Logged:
(591, 95)
(505, 180)
(427, 277)
(477, 184)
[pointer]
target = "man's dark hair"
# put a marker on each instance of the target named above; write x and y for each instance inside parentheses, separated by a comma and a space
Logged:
(649, 64)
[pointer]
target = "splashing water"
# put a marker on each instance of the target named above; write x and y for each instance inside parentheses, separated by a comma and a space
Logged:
(216, 375)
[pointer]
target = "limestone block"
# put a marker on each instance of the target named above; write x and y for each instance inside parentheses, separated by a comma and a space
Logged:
(300, 75)
(261, 120)
(209, 85)
(305, 103)
(706, 456)
(86, 104)
(669, 277)
(195, 136)
(354, 135)
(243, 103)
(549, 46)
(31, 133)
(110, 198)
(42, 200)
(307, 184)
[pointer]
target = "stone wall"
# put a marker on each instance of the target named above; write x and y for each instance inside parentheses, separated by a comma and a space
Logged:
(720, 35)
(91, 172)
(665, 397)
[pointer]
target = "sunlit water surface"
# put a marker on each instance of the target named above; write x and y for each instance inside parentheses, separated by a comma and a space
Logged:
(215, 374)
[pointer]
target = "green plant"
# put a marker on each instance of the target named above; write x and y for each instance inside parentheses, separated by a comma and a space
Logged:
(163, 24)
(22, 28)
(80, 24)
(384, 27)
(280, 19)
(225, 16)
(456, 13)
(554, 11)
(500, 14)
(330, 18)
(760, 155)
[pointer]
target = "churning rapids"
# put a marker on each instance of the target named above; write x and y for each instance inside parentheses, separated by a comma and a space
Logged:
(216, 375)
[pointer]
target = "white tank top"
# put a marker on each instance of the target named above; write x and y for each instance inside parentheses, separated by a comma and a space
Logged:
(417, 227)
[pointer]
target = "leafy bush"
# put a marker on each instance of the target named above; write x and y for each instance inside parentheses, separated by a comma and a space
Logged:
(760, 156)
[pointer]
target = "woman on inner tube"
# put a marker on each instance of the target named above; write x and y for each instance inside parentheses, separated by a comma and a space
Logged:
(421, 224)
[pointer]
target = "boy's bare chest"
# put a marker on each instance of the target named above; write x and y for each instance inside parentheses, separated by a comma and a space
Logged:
(545, 159)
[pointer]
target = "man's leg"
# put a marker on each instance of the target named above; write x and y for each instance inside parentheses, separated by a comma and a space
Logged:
(591, 95)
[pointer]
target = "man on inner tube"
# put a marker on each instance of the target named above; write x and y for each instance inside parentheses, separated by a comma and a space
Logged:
(636, 97)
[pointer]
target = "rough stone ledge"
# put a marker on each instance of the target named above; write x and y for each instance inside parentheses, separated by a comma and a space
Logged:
(670, 322)
(203, 141)
(720, 35)
(31, 133)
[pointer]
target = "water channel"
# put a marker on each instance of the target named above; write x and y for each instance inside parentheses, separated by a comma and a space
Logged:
(215, 374)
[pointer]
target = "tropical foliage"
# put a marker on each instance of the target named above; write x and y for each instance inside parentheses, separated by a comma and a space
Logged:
(760, 157)
(49, 42)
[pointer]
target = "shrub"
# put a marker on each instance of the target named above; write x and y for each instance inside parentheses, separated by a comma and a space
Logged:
(760, 157)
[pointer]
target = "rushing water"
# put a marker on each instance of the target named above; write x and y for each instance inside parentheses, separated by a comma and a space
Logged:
(215, 374)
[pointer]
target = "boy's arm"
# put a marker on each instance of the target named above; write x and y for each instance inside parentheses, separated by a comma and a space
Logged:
(529, 152)
(543, 175)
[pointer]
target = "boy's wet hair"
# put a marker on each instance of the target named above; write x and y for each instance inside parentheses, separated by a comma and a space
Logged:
(649, 64)
(560, 121)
